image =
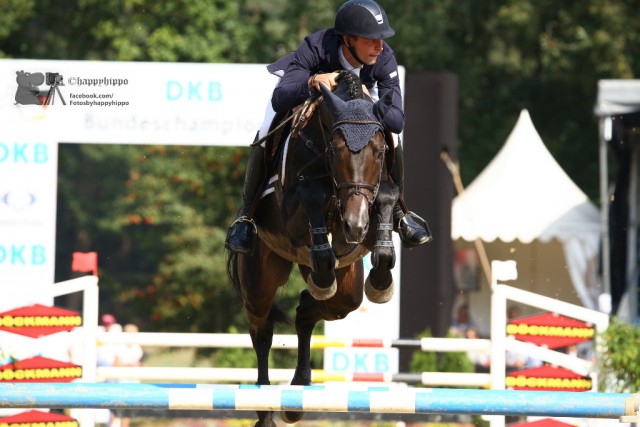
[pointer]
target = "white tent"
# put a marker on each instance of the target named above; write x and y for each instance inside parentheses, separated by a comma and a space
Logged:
(523, 197)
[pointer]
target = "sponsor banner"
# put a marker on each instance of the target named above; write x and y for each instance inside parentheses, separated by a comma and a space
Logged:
(550, 330)
(40, 369)
(38, 320)
(366, 360)
(137, 102)
(38, 419)
(548, 378)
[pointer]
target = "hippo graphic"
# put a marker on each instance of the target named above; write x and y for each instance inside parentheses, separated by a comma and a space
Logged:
(28, 92)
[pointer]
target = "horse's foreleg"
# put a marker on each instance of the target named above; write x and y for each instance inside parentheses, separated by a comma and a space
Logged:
(322, 280)
(379, 286)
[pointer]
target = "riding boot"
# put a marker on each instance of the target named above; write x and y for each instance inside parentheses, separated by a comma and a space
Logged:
(413, 230)
(243, 233)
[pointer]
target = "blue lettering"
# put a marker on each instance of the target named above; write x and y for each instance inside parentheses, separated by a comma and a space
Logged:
(215, 91)
(19, 255)
(19, 152)
(40, 154)
(37, 255)
(16, 255)
(340, 362)
(24, 153)
(381, 363)
(194, 91)
(172, 95)
(359, 364)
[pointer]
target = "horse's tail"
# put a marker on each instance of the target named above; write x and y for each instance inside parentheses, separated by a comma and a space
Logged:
(232, 270)
(276, 314)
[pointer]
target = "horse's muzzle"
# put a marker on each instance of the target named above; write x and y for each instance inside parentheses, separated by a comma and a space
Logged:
(355, 219)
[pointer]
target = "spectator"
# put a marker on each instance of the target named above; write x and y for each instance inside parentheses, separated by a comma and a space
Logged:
(128, 355)
(462, 321)
(106, 352)
(480, 359)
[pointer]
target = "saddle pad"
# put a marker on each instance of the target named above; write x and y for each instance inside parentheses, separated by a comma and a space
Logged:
(282, 160)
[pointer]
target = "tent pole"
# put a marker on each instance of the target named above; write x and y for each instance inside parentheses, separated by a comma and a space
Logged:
(605, 134)
(457, 181)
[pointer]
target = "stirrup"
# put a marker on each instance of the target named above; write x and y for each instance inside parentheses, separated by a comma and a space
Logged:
(244, 218)
(241, 241)
(420, 222)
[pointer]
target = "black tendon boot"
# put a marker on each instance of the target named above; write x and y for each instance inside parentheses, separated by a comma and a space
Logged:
(242, 234)
(413, 230)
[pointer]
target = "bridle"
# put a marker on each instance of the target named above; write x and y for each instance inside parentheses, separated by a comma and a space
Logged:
(355, 187)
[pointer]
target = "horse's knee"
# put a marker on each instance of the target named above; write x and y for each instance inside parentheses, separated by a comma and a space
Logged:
(384, 258)
(348, 303)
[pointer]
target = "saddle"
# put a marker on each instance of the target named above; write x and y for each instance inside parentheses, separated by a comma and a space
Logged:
(283, 127)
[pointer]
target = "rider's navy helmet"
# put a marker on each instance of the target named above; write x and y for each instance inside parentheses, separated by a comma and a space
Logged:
(363, 18)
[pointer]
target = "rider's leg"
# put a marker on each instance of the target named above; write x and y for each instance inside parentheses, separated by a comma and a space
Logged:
(242, 234)
(412, 229)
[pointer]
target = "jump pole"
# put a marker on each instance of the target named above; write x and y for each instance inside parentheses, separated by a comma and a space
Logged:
(318, 399)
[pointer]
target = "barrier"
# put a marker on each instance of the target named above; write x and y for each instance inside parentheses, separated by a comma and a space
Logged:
(249, 375)
(317, 399)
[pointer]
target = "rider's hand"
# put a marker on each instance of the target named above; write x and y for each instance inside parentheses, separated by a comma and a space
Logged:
(329, 79)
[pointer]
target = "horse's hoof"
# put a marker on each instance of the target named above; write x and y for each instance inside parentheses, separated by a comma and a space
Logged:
(319, 293)
(378, 296)
(291, 417)
(265, 419)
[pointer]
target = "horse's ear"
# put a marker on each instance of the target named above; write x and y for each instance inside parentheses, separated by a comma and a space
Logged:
(334, 103)
(383, 105)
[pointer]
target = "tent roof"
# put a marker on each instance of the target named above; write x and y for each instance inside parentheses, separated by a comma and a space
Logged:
(523, 194)
(618, 97)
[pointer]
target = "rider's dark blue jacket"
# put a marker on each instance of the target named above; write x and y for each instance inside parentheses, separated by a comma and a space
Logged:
(318, 53)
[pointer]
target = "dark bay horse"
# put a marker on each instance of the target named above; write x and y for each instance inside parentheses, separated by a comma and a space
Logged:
(331, 206)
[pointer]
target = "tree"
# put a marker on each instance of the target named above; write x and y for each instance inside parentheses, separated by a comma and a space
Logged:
(546, 56)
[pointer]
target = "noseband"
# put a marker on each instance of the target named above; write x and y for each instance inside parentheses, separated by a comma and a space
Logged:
(356, 187)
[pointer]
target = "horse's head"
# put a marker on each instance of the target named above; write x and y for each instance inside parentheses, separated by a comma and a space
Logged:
(356, 159)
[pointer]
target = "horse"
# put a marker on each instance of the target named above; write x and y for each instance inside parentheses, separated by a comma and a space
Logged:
(332, 204)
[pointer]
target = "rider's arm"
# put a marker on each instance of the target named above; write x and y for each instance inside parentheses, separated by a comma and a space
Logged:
(386, 74)
(293, 88)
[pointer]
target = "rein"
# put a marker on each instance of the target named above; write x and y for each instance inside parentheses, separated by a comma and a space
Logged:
(355, 187)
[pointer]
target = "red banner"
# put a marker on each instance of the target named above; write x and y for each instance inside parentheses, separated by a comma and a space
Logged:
(38, 419)
(548, 378)
(40, 369)
(86, 262)
(38, 320)
(550, 330)
(545, 422)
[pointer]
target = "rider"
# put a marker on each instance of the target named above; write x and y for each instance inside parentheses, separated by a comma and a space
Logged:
(356, 43)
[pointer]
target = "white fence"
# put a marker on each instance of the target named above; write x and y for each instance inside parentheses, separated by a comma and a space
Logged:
(496, 348)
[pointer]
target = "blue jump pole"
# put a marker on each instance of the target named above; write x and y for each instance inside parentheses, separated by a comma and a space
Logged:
(369, 399)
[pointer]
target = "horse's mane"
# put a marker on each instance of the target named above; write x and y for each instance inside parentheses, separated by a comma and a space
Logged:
(349, 86)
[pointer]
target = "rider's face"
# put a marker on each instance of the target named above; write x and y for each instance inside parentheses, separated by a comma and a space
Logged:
(367, 50)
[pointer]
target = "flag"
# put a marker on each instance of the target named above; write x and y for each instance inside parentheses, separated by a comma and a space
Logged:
(85, 262)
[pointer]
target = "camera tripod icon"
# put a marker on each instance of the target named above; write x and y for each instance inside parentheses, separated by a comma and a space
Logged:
(54, 80)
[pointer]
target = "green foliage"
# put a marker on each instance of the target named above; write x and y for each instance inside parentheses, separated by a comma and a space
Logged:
(424, 361)
(545, 56)
(619, 361)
